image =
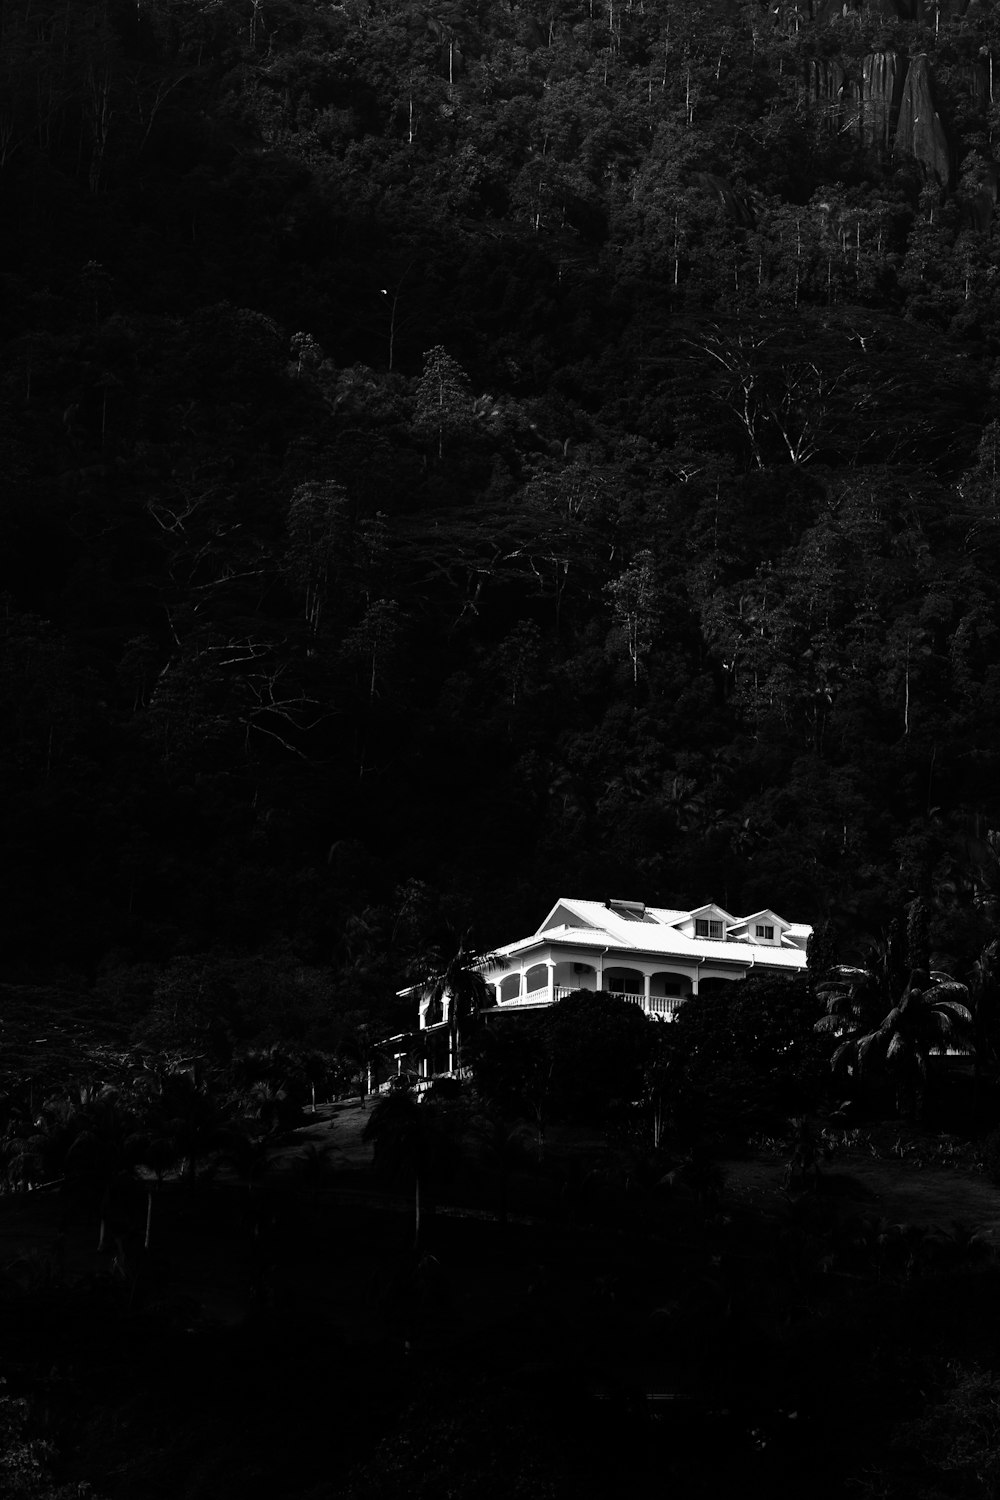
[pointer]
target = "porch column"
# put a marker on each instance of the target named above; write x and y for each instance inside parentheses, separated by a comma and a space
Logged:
(447, 1015)
(645, 993)
(550, 965)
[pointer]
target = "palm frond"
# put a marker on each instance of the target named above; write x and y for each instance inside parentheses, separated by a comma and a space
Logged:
(831, 1025)
(843, 1053)
(896, 1047)
(961, 1013)
(866, 1044)
(947, 987)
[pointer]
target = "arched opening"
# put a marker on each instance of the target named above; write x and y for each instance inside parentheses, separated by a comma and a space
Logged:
(571, 976)
(667, 993)
(537, 978)
(510, 987)
(624, 981)
(667, 984)
(714, 985)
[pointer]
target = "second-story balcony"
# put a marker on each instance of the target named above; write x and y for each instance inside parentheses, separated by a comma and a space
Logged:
(663, 1007)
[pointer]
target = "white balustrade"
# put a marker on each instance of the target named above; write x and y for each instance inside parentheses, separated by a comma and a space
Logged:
(662, 1006)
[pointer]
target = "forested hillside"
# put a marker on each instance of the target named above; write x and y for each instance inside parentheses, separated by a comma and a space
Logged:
(461, 453)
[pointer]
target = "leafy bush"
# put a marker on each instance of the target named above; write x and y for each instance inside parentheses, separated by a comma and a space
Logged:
(990, 1154)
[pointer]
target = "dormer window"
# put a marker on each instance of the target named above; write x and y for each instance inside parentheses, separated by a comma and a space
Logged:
(764, 931)
(705, 927)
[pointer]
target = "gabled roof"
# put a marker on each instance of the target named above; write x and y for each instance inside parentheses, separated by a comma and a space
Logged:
(608, 916)
(618, 926)
(767, 915)
(709, 907)
(615, 929)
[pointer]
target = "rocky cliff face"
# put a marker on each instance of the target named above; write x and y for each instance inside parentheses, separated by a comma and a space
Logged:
(794, 16)
(827, 85)
(890, 106)
(881, 92)
(887, 101)
(919, 132)
(865, 103)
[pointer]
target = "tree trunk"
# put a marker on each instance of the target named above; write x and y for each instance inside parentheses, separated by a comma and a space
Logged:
(417, 1221)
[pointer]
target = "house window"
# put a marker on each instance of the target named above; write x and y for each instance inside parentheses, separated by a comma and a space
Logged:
(704, 927)
(765, 932)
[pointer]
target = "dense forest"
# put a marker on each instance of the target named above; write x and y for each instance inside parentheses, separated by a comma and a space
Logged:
(456, 454)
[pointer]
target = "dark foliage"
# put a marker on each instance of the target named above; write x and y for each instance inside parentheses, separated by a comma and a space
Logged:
(451, 456)
(746, 1057)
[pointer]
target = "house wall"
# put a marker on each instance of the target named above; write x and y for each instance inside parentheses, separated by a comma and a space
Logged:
(550, 968)
(545, 974)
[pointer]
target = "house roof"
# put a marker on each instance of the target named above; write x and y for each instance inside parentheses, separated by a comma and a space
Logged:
(669, 942)
(767, 915)
(598, 924)
(620, 928)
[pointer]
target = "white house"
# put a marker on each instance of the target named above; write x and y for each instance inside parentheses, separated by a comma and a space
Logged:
(649, 955)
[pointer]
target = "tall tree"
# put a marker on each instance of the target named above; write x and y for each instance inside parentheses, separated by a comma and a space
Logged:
(444, 406)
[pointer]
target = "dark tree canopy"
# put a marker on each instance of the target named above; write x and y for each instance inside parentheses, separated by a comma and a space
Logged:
(496, 453)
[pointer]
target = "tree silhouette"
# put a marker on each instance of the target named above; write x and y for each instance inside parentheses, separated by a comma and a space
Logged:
(415, 1135)
(444, 398)
(460, 988)
(930, 1015)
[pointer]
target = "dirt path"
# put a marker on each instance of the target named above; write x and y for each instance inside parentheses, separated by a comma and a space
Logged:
(336, 1131)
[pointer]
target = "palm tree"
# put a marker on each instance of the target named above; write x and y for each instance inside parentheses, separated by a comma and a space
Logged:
(413, 1134)
(362, 1052)
(101, 1159)
(247, 1154)
(985, 988)
(498, 1145)
(461, 981)
(192, 1117)
(930, 1016)
(317, 1068)
(154, 1147)
(266, 1084)
(857, 998)
(893, 1012)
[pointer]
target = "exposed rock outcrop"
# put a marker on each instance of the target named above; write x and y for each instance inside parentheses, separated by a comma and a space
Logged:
(919, 133)
(794, 15)
(881, 95)
(736, 206)
(891, 106)
(866, 106)
(828, 86)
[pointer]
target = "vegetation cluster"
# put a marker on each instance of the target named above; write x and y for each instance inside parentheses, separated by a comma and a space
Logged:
(561, 1233)
(455, 454)
(502, 450)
